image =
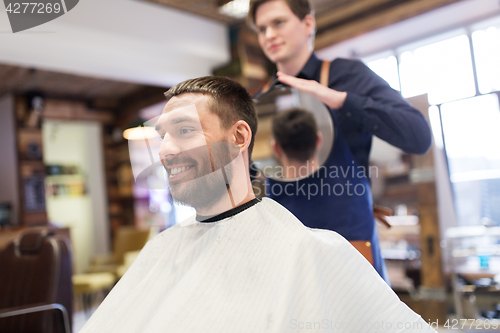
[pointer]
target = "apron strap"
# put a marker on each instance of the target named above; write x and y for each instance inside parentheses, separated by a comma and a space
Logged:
(325, 73)
(365, 248)
(266, 87)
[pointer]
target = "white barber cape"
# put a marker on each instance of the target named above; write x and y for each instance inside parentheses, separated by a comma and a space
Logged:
(260, 270)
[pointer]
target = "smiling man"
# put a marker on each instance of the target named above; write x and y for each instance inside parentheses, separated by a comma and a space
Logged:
(201, 152)
(240, 265)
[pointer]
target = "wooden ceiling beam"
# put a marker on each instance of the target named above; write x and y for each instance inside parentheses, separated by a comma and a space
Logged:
(19, 80)
(382, 19)
(203, 8)
(348, 10)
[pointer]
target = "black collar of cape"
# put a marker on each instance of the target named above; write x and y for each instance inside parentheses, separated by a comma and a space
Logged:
(226, 214)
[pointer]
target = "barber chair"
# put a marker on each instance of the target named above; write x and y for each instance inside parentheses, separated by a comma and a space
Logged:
(36, 293)
(127, 239)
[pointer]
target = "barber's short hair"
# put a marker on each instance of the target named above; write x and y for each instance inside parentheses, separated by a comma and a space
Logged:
(296, 132)
(299, 7)
(230, 100)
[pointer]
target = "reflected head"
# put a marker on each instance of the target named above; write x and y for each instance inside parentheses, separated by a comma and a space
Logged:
(296, 132)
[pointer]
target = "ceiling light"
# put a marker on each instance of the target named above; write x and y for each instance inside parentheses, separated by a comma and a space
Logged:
(140, 133)
(235, 8)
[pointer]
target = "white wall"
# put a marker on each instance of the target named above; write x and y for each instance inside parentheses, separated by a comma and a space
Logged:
(129, 40)
(79, 143)
(97, 187)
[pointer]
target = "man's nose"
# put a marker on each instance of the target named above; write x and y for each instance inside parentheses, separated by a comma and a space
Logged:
(270, 33)
(168, 147)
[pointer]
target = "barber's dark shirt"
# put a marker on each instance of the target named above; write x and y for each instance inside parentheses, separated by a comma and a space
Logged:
(371, 107)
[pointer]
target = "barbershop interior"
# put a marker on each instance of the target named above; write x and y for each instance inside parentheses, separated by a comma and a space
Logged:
(80, 96)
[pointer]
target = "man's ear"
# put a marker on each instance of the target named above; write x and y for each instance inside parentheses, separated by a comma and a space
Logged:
(310, 22)
(319, 140)
(242, 135)
(276, 149)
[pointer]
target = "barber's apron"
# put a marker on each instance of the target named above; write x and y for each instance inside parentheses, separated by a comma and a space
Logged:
(338, 198)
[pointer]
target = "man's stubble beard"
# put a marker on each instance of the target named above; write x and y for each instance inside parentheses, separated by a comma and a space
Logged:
(208, 187)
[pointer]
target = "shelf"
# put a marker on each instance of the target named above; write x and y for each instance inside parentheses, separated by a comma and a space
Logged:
(476, 231)
(472, 270)
(474, 255)
(65, 178)
(406, 220)
(37, 162)
(494, 250)
(61, 197)
(22, 130)
(397, 254)
(469, 288)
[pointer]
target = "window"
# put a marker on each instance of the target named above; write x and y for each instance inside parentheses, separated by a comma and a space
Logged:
(465, 121)
(472, 141)
(442, 69)
(385, 67)
(486, 45)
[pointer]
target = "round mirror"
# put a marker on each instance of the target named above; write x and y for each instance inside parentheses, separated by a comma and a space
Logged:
(272, 105)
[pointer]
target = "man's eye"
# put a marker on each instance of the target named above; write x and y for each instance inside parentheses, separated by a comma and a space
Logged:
(185, 130)
(279, 22)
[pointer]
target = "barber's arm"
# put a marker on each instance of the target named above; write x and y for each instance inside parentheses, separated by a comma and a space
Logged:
(332, 98)
(376, 107)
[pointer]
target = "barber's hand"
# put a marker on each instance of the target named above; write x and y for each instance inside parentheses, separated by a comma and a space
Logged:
(332, 98)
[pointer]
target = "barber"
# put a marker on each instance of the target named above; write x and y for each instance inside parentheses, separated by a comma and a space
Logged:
(362, 105)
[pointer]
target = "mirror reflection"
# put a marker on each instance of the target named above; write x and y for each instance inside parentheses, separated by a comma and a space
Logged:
(295, 136)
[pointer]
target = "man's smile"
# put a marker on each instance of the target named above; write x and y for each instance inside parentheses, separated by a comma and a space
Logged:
(178, 171)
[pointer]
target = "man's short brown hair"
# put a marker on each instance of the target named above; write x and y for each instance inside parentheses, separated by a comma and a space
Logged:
(230, 100)
(299, 7)
(296, 132)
